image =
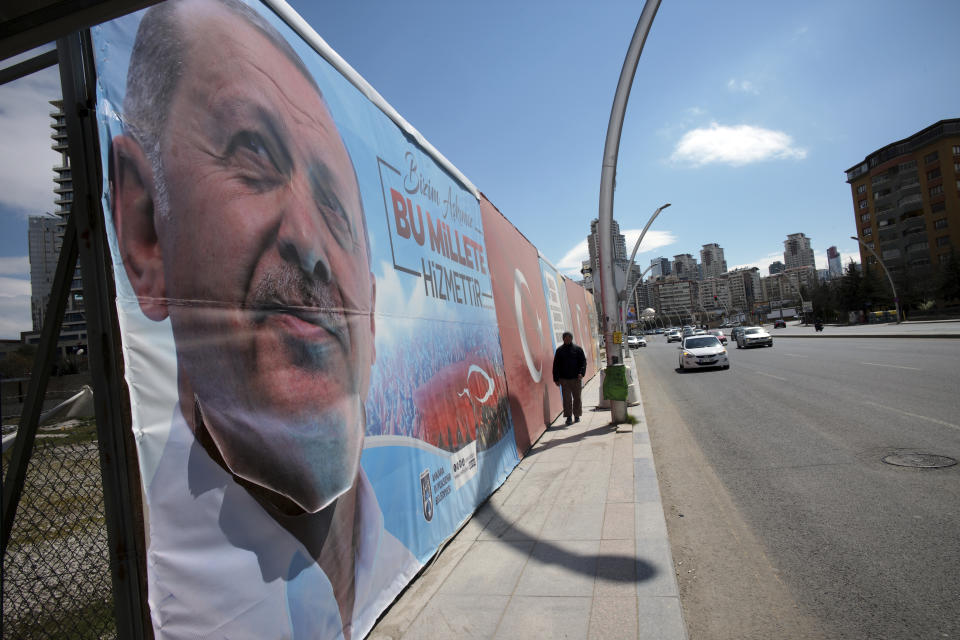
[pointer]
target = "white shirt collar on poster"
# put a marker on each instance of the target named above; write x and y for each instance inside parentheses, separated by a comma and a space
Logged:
(219, 566)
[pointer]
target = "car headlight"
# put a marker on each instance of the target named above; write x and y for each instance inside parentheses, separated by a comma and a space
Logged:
(687, 354)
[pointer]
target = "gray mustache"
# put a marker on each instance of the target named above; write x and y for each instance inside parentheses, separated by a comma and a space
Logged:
(286, 289)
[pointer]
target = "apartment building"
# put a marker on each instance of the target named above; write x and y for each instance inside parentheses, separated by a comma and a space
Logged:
(906, 201)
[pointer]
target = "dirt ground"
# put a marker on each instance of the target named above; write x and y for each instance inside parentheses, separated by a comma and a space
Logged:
(728, 587)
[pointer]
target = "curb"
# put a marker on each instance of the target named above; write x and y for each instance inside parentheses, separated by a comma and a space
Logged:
(659, 609)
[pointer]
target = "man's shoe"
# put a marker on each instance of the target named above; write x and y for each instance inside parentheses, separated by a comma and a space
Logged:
(577, 419)
(569, 420)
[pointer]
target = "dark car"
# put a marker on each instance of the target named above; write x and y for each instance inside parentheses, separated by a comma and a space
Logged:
(735, 333)
(779, 324)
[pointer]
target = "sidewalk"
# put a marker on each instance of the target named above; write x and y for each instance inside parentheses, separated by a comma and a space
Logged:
(573, 545)
(919, 329)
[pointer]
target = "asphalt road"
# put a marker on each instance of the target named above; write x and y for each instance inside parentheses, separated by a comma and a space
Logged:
(796, 435)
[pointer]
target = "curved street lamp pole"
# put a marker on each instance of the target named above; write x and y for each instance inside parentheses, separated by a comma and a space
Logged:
(625, 301)
(611, 149)
(896, 300)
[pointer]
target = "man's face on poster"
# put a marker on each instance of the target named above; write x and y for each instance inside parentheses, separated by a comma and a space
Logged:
(260, 261)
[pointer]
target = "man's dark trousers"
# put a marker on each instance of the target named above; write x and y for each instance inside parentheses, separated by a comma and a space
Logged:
(570, 390)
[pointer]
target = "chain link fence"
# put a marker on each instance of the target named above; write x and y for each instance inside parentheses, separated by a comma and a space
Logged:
(56, 571)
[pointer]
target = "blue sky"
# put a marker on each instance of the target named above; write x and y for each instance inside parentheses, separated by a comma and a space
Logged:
(744, 115)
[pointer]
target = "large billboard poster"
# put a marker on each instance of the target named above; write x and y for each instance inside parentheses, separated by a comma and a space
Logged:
(580, 325)
(524, 327)
(556, 293)
(317, 387)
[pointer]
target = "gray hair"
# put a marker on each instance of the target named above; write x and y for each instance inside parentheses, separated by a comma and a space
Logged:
(157, 62)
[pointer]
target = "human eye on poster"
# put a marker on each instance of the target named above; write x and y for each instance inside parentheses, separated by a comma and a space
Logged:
(310, 342)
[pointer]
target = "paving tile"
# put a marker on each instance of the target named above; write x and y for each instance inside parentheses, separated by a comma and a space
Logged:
(613, 618)
(545, 617)
(560, 568)
(619, 519)
(660, 618)
(616, 570)
(580, 521)
(458, 616)
(488, 568)
(655, 555)
(650, 522)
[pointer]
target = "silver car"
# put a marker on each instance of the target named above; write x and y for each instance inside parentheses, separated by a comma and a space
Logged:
(754, 337)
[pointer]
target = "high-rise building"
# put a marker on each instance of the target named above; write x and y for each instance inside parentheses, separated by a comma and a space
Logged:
(45, 237)
(660, 267)
(712, 262)
(743, 286)
(619, 245)
(797, 251)
(906, 200)
(685, 267)
(834, 266)
(776, 267)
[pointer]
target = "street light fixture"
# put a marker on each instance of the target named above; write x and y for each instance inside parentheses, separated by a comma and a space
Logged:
(608, 170)
(896, 300)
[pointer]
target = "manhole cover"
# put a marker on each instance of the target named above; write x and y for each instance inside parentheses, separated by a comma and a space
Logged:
(919, 460)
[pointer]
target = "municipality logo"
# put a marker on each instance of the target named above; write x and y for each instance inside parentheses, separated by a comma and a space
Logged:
(426, 493)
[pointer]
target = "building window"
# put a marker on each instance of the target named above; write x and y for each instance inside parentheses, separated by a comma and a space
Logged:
(904, 166)
(943, 241)
(867, 231)
(863, 203)
(940, 224)
(862, 188)
(956, 167)
(956, 149)
(944, 257)
(933, 174)
(916, 246)
(937, 190)
(930, 157)
(865, 217)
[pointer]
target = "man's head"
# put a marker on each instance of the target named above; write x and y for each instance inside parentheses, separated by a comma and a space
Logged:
(567, 337)
(238, 216)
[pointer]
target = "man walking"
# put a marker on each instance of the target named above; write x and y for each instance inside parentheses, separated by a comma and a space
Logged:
(569, 366)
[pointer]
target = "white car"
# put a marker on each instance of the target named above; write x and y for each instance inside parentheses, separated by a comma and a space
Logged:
(703, 351)
(636, 341)
(674, 335)
(754, 337)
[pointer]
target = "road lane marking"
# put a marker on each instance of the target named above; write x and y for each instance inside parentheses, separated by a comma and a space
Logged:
(770, 375)
(914, 415)
(795, 355)
(892, 366)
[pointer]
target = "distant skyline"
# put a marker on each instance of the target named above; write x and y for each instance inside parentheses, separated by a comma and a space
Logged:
(743, 115)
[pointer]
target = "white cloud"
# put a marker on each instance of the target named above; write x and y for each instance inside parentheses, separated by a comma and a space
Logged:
(734, 145)
(26, 166)
(762, 263)
(14, 266)
(572, 260)
(743, 86)
(14, 307)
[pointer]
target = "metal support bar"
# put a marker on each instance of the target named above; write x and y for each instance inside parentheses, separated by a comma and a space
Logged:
(118, 462)
(37, 389)
(25, 68)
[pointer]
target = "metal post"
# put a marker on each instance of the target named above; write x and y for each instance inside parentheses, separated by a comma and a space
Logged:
(37, 388)
(608, 292)
(896, 300)
(118, 462)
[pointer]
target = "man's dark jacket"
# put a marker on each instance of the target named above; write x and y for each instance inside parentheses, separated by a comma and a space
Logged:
(568, 362)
